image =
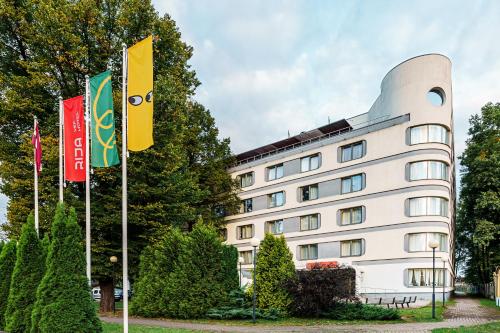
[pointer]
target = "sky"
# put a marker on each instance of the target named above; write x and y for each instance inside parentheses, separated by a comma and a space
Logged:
(269, 67)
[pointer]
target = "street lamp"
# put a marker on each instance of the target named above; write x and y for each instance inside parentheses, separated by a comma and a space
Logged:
(433, 244)
(444, 259)
(255, 242)
(113, 260)
(240, 261)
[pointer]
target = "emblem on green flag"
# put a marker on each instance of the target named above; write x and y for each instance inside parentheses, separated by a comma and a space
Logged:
(104, 152)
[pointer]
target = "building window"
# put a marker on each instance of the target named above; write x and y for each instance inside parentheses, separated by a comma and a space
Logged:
(418, 242)
(428, 170)
(422, 277)
(309, 222)
(430, 206)
(352, 184)
(351, 248)
(274, 227)
(429, 133)
(308, 252)
(247, 256)
(246, 179)
(309, 192)
(276, 199)
(352, 215)
(352, 151)
(275, 172)
(309, 163)
(223, 234)
(246, 206)
(436, 96)
(245, 231)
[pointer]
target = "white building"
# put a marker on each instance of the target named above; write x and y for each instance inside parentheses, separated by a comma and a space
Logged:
(369, 191)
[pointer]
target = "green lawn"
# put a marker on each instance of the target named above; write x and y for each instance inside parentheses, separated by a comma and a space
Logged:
(486, 328)
(489, 303)
(424, 313)
(116, 328)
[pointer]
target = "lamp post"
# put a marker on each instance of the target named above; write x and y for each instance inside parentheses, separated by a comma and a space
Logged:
(433, 245)
(255, 242)
(113, 260)
(444, 277)
(240, 261)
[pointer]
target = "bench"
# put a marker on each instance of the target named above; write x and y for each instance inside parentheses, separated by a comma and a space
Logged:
(400, 301)
(411, 300)
(374, 301)
(387, 301)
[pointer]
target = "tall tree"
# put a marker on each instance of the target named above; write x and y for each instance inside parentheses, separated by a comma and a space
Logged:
(274, 268)
(28, 272)
(478, 222)
(63, 301)
(7, 262)
(47, 48)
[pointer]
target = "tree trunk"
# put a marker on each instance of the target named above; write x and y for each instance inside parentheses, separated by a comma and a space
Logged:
(107, 295)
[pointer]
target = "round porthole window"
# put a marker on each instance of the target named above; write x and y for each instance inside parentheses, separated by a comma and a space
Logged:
(436, 96)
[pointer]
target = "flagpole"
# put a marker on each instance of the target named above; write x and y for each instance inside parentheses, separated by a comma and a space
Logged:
(124, 190)
(87, 181)
(61, 121)
(36, 179)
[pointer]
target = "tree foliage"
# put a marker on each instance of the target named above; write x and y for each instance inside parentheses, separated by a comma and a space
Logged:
(478, 222)
(274, 268)
(47, 49)
(64, 303)
(28, 272)
(7, 262)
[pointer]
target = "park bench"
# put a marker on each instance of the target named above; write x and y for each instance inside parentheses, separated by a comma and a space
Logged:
(400, 301)
(411, 300)
(373, 301)
(387, 301)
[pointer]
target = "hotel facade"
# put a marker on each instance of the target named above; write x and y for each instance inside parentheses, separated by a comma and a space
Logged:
(369, 191)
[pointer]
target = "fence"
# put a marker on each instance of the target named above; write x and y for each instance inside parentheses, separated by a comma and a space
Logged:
(486, 290)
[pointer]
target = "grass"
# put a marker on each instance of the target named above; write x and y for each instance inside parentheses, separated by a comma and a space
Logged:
(489, 303)
(117, 328)
(424, 314)
(485, 328)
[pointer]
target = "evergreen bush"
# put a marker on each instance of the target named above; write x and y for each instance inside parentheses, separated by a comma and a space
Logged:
(199, 281)
(274, 268)
(64, 303)
(317, 291)
(7, 263)
(157, 263)
(28, 272)
(359, 311)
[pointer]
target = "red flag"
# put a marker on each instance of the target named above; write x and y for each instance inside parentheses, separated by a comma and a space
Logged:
(74, 139)
(35, 140)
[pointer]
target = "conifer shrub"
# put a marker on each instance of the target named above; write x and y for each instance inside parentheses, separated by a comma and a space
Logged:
(156, 265)
(64, 303)
(7, 263)
(28, 272)
(199, 280)
(359, 311)
(274, 268)
(318, 291)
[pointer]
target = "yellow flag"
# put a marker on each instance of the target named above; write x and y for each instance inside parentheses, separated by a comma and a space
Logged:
(140, 95)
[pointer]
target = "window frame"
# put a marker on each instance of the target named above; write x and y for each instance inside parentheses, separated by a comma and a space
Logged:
(308, 216)
(273, 222)
(428, 170)
(428, 136)
(241, 254)
(309, 157)
(361, 240)
(244, 206)
(270, 199)
(444, 279)
(361, 175)
(308, 188)
(351, 146)
(309, 246)
(351, 210)
(428, 237)
(245, 226)
(428, 205)
(274, 168)
(245, 175)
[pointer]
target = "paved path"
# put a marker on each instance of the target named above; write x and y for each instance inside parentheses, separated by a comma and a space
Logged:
(465, 312)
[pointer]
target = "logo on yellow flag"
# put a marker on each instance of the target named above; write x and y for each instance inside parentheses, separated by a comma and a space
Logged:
(140, 95)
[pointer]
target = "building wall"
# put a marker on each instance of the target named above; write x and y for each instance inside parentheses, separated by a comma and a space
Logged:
(381, 268)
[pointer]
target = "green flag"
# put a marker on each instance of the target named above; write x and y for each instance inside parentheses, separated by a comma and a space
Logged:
(104, 152)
